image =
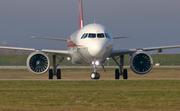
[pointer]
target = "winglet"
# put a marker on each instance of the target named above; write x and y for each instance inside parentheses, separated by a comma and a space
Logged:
(80, 15)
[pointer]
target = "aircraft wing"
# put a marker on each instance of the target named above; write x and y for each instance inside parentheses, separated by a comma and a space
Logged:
(130, 51)
(64, 53)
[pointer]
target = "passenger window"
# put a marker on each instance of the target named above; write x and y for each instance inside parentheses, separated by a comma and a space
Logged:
(92, 35)
(101, 35)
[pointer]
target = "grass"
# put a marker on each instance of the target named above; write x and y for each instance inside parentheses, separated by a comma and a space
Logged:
(90, 95)
(157, 90)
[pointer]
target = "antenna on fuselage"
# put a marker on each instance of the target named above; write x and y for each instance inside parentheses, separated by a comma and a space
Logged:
(80, 15)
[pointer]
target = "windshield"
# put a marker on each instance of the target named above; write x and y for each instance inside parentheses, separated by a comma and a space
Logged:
(91, 35)
(101, 35)
(94, 35)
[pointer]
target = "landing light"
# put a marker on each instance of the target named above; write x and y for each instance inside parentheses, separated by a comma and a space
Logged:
(68, 58)
(96, 62)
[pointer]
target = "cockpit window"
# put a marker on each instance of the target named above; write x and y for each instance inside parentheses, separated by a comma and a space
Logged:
(107, 36)
(100, 35)
(94, 35)
(91, 35)
(84, 36)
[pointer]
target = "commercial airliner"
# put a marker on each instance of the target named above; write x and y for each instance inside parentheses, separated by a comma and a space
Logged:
(90, 44)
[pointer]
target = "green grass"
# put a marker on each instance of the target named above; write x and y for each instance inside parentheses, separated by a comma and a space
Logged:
(90, 95)
(137, 93)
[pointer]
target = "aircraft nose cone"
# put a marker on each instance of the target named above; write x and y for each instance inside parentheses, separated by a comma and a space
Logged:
(96, 50)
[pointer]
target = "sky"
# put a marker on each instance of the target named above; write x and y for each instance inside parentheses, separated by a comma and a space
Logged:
(149, 23)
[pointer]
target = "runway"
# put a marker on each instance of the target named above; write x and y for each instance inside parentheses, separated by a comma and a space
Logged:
(171, 73)
(61, 67)
(64, 67)
(83, 79)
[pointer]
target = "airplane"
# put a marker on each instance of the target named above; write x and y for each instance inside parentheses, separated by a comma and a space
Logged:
(90, 44)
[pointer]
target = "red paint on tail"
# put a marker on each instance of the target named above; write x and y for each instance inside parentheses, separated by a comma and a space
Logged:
(80, 14)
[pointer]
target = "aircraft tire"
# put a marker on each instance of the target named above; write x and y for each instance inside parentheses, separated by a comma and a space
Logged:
(50, 74)
(95, 75)
(117, 74)
(125, 75)
(59, 74)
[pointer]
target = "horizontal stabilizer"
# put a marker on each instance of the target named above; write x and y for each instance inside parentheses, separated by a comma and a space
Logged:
(57, 39)
(121, 37)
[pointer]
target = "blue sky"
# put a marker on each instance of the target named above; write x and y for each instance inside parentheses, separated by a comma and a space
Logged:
(148, 22)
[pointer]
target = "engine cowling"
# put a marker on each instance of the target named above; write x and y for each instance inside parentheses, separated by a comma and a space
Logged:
(38, 62)
(141, 62)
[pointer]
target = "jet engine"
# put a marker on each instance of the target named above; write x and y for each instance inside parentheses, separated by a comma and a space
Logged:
(38, 62)
(141, 62)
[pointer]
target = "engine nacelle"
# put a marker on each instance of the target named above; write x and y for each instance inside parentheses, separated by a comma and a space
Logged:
(38, 62)
(141, 62)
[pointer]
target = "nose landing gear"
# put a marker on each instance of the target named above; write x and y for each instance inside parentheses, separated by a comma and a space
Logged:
(95, 75)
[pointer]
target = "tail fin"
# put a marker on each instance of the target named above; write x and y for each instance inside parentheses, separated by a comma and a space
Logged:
(80, 15)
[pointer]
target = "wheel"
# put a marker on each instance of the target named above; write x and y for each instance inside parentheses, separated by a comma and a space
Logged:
(50, 74)
(125, 75)
(117, 74)
(95, 75)
(59, 74)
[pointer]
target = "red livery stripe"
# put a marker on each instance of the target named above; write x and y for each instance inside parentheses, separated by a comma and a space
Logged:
(72, 44)
(80, 14)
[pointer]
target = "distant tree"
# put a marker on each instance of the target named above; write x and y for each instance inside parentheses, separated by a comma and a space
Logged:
(12, 52)
(26, 52)
(8, 52)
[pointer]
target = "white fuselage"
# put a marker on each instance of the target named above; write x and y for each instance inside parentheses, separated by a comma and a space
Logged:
(93, 42)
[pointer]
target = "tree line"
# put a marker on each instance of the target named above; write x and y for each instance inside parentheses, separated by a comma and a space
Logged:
(12, 52)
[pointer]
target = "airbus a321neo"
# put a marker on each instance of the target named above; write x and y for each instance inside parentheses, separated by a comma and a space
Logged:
(90, 44)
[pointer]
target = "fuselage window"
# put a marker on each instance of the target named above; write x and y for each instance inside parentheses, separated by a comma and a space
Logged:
(107, 36)
(92, 35)
(101, 35)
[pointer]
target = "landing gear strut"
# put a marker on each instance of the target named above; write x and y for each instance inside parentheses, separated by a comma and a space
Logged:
(121, 72)
(95, 75)
(55, 71)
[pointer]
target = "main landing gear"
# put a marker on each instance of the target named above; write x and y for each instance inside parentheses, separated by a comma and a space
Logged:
(95, 75)
(121, 72)
(55, 71)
